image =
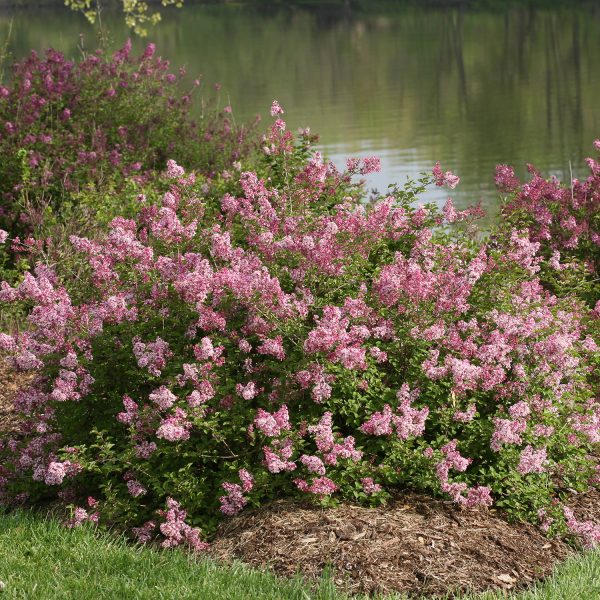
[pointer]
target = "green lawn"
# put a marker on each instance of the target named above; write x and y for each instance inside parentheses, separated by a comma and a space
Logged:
(39, 558)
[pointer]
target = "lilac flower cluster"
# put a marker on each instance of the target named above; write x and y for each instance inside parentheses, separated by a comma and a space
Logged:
(561, 218)
(176, 531)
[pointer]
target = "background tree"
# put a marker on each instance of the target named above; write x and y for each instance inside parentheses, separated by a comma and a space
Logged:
(137, 14)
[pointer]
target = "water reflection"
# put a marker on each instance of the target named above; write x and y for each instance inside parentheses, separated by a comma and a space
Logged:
(468, 88)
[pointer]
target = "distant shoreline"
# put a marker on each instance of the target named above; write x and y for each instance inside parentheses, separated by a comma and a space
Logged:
(359, 5)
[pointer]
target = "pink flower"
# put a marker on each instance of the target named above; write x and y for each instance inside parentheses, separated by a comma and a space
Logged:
(465, 416)
(532, 461)
(246, 479)
(321, 392)
(272, 425)
(543, 430)
(143, 534)
(80, 516)
(379, 423)
(379, 355)
(7, 342)
(163, 398)
(149, 51)
(279, 125)
(202, 394)
(131, 410)
(3, 236)
(152, 355)
(371, 164)
(234, 501)
(322, 486)
(352, 358)
(145, 449)
(506, 432)
(248, 391)
(523, 252)
(369, 486)
(313, 463)
(449, 211)
(55, 473)
(478, 496)
(276, 463)
(520, 409)
(135, 488)
(352, 164)
(276, 109)
(245, 346)
(172, 431)
(453, 458)
(545, 520)
(205, 350)
(323, 433)
(176, 531)
(448, 178)
(174, 428)
(273, 347)
(554, 262)
(505, 179)
(587, 530)
(166, 226)
(410, 422)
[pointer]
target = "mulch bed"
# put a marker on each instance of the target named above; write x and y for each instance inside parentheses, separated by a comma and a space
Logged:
(416, 545)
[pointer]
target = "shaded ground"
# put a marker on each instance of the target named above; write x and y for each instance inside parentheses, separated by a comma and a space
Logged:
(415, 545)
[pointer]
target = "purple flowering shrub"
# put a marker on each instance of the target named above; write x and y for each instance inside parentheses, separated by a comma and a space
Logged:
(93, 126)
(564, 220)
(288, 339)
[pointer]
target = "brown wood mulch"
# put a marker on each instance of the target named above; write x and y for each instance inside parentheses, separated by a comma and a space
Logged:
(415, 544)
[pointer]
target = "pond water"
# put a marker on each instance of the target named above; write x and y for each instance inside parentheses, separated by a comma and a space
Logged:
(468, 88)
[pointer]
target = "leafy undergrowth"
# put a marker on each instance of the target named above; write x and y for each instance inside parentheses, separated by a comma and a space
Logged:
(39, 558)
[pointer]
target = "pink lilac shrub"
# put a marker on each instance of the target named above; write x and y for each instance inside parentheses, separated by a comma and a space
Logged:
(564, 219)
(68, 126)
(287, 338)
